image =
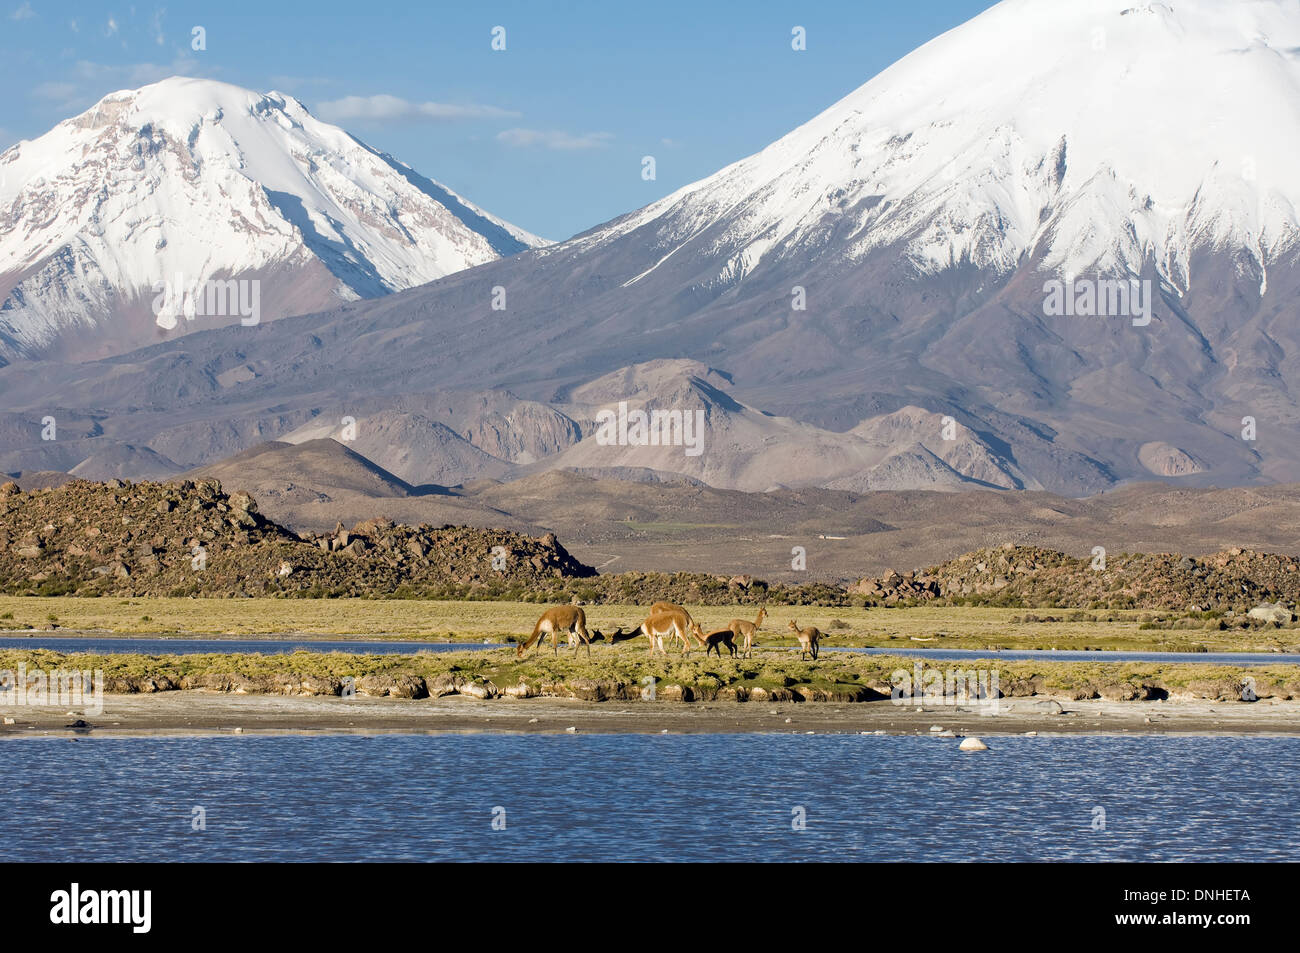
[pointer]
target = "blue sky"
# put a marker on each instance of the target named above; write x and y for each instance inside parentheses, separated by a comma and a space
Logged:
(548, 133)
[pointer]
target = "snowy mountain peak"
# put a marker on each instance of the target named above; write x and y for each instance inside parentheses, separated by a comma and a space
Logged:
(202, 180)
(1097, 134)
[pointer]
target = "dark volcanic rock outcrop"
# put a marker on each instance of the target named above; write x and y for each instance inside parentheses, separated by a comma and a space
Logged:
(193, 538)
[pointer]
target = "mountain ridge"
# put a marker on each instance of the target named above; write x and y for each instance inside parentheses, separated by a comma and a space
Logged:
(872, 278)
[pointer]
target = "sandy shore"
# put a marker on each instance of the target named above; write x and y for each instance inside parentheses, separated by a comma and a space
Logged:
(205, 713)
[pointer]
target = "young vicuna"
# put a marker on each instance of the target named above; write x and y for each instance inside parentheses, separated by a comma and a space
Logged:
(808, 639)
(714, 641)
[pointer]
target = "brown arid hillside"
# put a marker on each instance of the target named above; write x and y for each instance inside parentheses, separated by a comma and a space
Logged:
(1032, 577)
(633, 521)
(193, 538)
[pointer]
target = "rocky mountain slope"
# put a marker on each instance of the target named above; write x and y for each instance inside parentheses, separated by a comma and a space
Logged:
(193, 538)
(1031, 576)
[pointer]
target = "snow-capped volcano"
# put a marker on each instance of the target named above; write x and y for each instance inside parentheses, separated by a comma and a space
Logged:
(194, 180)
(1101, 134)
(880, 273)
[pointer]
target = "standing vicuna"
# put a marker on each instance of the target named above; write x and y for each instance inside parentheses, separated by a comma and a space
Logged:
(745, 630)
(808, 639)
(714, 641)
(568, 619)
(675, 622)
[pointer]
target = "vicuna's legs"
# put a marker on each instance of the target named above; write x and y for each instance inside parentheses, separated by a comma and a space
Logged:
(582, 634)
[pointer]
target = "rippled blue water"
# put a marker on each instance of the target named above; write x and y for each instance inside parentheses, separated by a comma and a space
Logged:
(1072, 655)
(675, 797)
(102, 646)
(187, 646)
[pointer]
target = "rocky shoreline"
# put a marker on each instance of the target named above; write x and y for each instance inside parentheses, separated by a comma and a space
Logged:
(1229, 686)
(194, 713)
(624, 674)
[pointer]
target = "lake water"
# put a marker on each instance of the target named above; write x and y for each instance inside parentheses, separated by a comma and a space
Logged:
(674, 797)
(187, 646)
(1198, 658)
(112, 646)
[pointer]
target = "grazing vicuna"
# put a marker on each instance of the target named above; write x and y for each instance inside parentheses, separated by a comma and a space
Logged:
(621, 636)
(808, 639)
(570, 619)
(615, 637)
(675, 622)
(744, 630)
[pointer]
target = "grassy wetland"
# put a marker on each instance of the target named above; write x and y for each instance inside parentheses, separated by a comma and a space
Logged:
(622, 672)
(626, 671)
(952, 627)
(116, 560)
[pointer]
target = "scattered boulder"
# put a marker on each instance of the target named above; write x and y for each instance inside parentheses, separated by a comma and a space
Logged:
(478, 688)
(1121, 692)
(674, 693)
(447, 683)
(1275, 612)
(407, 686)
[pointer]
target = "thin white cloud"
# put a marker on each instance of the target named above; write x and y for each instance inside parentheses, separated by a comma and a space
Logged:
(384, 108)
(25, 12)
(55, 92)
(111, 27)
(155, 24)
(88, 82)
(554, 139)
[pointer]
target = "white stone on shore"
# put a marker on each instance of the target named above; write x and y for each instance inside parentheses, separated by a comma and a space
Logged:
(973, 744)
(936, 727)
